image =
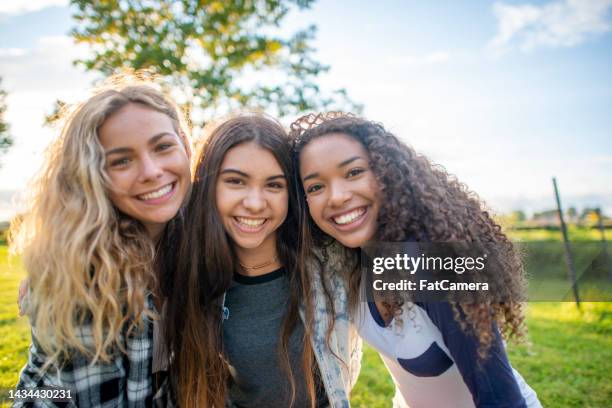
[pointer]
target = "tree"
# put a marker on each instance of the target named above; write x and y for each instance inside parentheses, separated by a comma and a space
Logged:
(589, 215)
(5, 138)
(518, 216)
(56, 113)
(221, 55)
(571, 214)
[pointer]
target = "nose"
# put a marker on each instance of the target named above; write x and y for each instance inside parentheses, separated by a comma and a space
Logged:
(254, 201)
(150, 169)
(339, 194)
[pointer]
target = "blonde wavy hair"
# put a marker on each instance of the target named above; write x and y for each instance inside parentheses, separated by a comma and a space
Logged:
(89, 266)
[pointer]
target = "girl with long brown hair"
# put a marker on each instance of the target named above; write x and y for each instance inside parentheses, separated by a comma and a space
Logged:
(241, 323)
(110, 184)
(362, 184)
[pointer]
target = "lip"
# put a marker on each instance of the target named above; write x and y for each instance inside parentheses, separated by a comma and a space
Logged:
(246, 229)
(356, 223)
(162, 199)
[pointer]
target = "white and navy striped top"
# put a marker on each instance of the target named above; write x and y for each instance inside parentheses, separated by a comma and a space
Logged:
(433, 362)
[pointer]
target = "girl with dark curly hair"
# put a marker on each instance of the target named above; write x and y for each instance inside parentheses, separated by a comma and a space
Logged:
(361, 185)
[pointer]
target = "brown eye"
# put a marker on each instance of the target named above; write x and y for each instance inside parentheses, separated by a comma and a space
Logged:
(163, 146)
(354, 172)
(123, 161)
(235, 181)
(314, 188)
(276, 185)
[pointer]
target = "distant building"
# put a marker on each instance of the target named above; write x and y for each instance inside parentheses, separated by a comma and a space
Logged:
(546, 218)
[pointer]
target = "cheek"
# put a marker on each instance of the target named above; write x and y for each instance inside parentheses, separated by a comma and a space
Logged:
(315, 209)
(186, 167)
(373, 189)
(121, 202)
(179, 162)
(120, 183)
(115, 199)
(221, 199)
(228, 200)
(283, 205)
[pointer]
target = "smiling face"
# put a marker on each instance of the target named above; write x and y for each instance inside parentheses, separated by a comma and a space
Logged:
(341, 189)
(147, 164)
(252, 197)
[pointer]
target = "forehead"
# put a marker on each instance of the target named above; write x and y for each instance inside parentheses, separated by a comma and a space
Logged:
(332, 149)
(251, 158)
(132, 123)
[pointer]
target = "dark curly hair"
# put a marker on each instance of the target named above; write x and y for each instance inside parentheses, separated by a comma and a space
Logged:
(421, 201)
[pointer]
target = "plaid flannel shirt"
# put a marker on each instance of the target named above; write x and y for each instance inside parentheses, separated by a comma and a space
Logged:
(125, 381)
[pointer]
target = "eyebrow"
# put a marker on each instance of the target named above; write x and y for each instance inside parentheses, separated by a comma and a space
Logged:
(245, 175)
(151, 141)
(342, 164)
(348, 161)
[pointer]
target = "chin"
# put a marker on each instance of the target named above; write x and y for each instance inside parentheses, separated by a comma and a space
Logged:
(247, 244)
(350, 243)
(354, 241)
(159, 220)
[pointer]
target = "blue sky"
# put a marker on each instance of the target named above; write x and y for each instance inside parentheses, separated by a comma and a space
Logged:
(503, 94)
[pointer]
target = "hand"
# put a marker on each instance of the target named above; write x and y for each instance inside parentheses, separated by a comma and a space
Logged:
(22, 297)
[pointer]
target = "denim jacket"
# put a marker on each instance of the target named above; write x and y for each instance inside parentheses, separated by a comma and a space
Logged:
(339, 377)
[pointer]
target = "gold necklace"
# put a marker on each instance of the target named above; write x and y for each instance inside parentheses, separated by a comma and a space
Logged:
(262, 265)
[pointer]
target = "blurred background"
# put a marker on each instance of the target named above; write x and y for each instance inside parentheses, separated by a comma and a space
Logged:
(506, 95)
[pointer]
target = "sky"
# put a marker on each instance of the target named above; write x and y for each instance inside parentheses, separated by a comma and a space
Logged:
(505, 95)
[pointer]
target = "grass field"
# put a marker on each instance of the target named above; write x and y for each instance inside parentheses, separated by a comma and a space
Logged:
(14, 330)
(568, 362)
(574, 234)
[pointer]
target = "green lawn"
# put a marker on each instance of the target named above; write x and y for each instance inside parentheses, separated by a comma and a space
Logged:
(14, 330)
(574, 234)
(568, 362)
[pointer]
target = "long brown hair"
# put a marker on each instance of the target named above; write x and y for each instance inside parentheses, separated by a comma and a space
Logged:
(422, 201)
(206, 262)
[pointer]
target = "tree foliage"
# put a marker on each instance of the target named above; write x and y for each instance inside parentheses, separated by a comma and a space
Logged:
(220, 54)
(5, 138)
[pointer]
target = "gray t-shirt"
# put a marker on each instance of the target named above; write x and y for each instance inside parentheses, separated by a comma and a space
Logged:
(251, 333)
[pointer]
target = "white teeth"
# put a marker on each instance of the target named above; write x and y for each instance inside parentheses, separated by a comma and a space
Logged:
(350, 216)
(156, 194)
(250, 222)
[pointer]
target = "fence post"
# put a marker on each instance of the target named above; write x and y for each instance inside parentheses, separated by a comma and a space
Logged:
(568, 252)
(604, 244)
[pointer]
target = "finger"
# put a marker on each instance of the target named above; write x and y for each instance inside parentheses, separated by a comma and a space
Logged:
(23, 290)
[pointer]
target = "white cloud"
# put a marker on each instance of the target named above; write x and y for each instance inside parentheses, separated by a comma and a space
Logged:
(603, 159)
(12, 52)
(563, 23)
(21, 7)
(34, 79)
(437, 57)
(46, 67)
